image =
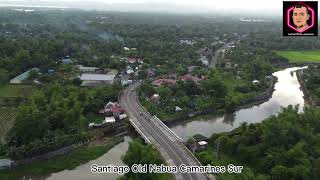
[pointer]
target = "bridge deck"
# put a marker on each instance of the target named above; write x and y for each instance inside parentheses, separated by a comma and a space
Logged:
(159, 135)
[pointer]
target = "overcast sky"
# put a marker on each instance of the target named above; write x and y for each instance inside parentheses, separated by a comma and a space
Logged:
(248, 6)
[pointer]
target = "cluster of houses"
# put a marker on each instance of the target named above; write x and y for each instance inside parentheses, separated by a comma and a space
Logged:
(93, 76)
(112, 112)
(204, 52)
(186, 41)
(132, 71)
(134, 66)
(129, 49)
(171, 80)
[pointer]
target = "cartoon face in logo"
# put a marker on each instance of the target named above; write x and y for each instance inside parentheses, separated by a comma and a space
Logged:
(301, 13)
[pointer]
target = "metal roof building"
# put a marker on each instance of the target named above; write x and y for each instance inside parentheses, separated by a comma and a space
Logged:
(22, 77)
(96, 79)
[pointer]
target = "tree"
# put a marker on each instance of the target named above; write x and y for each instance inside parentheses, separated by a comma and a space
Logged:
(4, 76)
(28, 127)
(141, 154)
(214, 87)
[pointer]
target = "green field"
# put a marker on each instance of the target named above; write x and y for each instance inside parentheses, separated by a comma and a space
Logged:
(7, 117)
(300, 56)
(15, 90)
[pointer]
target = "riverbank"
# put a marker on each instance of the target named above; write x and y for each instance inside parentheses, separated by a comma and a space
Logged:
(309, 99)
(69, 161)
(256, 100)
(286, 92)
(260, 98)
(243, 146)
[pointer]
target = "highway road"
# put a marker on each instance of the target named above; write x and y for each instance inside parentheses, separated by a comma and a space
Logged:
(173, 151)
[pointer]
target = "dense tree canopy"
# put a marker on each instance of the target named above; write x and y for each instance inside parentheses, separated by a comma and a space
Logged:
(142, 154)
(282, 147)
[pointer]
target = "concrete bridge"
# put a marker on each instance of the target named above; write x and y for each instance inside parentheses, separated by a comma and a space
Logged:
(155, 132)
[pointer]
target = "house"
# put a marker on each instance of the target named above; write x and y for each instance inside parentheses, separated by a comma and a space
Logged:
(203, 51)
(122, 116)
(51, 71)
(130, 71)
(22, 77)
(106, 121)
(66, 60)
(126, 49)
(202, 145)
(109, 120)
(151, 72)
(132, 60)
(116, 111)
(112, 109)
(126, 81)
(155, 97)
(97, 79)
(228, 65)
(178, 109)
(129, 68)
(5, 163)
(269, 78)
(191, 68)
(255, 82)
(188, 42)
(204, 60)
(159, 82)
(189, 77)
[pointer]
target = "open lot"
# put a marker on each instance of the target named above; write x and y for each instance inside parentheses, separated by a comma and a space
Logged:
(16, 90)
(300, 56)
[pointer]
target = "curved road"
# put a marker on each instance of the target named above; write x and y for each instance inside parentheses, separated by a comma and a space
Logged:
(173, 151)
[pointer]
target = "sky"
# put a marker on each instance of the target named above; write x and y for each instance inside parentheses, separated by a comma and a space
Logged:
(227, 6)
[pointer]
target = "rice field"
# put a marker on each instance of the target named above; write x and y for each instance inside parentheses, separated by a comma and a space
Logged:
(300, 56)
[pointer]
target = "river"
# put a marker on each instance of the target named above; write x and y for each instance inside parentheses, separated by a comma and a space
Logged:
(287, 92)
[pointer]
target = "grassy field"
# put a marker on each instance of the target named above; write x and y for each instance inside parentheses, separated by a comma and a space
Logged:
(7, 117)
(69, 161)
(300, 56)
(16, 90)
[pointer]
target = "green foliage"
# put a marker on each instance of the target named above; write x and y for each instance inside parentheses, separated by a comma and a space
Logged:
(4, 76)
(284, 146)
(142, 154)
(311, 77)
(256, 70)
(214, 87)
(56, 111)
(13, 91)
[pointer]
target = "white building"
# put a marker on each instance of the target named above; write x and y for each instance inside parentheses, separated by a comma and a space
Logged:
(109, 120)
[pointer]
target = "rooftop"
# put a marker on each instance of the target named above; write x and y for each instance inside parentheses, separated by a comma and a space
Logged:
(97, 77)
(24, 75)
(202, 143)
